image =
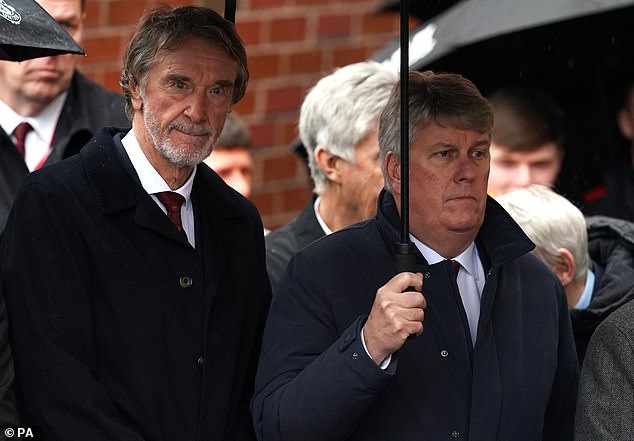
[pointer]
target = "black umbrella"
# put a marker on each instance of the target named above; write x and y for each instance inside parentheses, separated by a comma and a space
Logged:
(578, 51)
(28, 31)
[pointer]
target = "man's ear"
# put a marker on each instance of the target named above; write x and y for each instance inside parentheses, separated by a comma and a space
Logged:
(135, 97)
(393, 172)
(565, 266)
(329, 164)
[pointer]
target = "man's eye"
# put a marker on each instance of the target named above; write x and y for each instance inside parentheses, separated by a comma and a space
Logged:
(219, 91)
(180, 85)
(443, 154)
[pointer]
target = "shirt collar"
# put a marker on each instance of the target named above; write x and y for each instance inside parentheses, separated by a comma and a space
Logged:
(151, 180)
(43, 124)
(319, 218)
(468, 258)
(586, 296)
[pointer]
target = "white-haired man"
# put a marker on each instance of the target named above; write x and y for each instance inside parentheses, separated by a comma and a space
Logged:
(592, 257)
(338, 126)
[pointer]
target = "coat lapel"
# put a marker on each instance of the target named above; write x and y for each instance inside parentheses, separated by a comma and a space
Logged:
(116, 185)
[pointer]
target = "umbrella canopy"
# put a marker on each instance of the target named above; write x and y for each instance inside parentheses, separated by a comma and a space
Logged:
(424, 10)
(28, 31)
(577, 51)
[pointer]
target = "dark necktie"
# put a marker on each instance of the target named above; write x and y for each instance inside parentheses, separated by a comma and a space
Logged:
(456, 267)
(470, 301)
(20, 133)
(173, 202)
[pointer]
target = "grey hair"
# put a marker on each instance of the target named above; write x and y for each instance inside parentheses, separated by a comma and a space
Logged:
(444, 99)
(552, 222)
(341, 110)
(166, 28)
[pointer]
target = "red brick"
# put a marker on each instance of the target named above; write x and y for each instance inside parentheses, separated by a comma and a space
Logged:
(263, 134)
(288, 98)
(264, 66)
(296, 199)
(246, 104)
(250, 31)
(99, 49)
(313, 2)
(279, 168)
(379, 23)
(265, 4)
(288, 29)
(348, 55)
(334, 26)
(111, 80)
(93, 14)
(124, 12)
(305, 62)
(264, 201)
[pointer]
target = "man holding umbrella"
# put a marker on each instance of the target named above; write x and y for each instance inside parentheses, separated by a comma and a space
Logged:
(494, 357)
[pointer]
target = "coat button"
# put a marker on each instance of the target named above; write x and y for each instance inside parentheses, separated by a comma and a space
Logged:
(455, 434)
(444, 353)
(200, 361)
(185, 282)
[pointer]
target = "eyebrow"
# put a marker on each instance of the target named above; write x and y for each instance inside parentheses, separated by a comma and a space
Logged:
(184, 78)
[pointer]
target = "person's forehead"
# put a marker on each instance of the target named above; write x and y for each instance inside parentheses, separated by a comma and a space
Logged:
(58, 6)
(547, 150)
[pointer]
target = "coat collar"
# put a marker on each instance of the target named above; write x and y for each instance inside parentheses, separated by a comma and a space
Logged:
(499, 240)
(116, 187)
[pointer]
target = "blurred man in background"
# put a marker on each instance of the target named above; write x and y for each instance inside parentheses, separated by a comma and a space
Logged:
(231, 156)
(527, 139)
(615, 196)
(593, 258)
(338, 126)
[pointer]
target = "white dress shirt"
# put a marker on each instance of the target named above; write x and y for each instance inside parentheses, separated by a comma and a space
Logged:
(470, 280)
(152, 183)
(39, 141)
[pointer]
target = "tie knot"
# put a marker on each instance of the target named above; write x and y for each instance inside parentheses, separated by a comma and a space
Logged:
(21, 130)
(456, 267)
(172, 201)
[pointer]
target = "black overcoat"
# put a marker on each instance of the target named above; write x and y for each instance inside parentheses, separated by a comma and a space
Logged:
(120, 329)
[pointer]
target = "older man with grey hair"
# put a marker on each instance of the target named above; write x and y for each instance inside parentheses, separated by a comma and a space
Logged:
(592, 257)
(338, 126)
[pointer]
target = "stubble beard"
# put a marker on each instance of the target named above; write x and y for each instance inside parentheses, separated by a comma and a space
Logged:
(178, 156)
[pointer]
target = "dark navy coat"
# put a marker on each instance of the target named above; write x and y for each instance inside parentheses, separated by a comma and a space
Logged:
(120, 329)
(316, 382)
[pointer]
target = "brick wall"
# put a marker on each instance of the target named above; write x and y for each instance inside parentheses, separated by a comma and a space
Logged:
(291, 44)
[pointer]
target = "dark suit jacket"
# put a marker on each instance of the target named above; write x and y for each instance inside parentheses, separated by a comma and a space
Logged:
(87, 109)
(121, 330)
(283, 243)
(316, 382)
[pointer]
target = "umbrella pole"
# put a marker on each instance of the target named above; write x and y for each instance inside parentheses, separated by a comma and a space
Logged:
(230, 10)
(405, 259)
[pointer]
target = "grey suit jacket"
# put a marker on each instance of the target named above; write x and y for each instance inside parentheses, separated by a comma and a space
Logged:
(605, 410)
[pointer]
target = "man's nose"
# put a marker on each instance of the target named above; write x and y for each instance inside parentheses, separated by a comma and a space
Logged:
(197, 107)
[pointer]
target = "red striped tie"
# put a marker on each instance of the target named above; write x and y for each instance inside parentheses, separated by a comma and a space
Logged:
(173, 202)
